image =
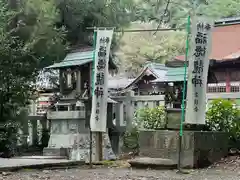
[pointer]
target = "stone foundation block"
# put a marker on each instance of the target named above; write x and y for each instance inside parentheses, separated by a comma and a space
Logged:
(199, 148)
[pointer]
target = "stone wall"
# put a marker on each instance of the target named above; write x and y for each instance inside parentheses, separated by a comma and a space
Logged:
(198, 148)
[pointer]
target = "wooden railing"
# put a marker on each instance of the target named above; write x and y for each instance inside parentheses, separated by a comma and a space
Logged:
(127, 106)
(30, 132)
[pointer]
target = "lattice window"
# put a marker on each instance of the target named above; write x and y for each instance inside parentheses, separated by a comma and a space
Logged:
(235, 87)
(221, 89)
(215, 88)
(211, 88)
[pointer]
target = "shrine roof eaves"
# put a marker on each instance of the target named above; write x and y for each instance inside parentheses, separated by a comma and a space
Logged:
(78, 59)
(69, 63)
(172, 75)
(74, 59)
(156, 69)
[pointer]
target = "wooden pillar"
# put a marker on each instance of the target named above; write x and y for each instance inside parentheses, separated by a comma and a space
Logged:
(34, 132)
(228, 81)
(121, 114)
(61, 82)
(69, 80)
(43, 122)
(90, 77)
(25, 131)
(79, 81)
(44, 139)
(129, 109)
(109, 115)
(118, 113)
(34, 108)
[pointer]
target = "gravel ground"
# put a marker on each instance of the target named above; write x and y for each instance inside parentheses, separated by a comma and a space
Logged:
(122, 173)
(226, 169)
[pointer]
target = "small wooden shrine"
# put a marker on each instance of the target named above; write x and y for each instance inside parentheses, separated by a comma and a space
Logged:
(69, 113)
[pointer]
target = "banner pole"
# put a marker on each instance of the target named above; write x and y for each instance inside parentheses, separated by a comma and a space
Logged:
(184, 94)
(93, 71)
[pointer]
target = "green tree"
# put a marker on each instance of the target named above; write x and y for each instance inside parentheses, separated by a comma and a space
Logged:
(137, 48)
(217, 9)
(177, 10)
(163, 11)
(77, 15)
(28, 42)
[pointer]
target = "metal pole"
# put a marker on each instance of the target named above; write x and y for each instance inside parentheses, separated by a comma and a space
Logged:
(193, 14)
(184, 95)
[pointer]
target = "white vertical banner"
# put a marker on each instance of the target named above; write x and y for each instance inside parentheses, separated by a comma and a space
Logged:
(200, 49)
(98, 121)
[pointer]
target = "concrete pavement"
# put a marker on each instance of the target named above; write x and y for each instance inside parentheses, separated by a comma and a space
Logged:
(14, 164)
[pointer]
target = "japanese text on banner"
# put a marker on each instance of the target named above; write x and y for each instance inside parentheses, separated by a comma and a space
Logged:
(198, 73)
(100, 92)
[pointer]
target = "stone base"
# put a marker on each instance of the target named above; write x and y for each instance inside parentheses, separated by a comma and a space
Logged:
(156, 163)
(199, 149)
(77, 147)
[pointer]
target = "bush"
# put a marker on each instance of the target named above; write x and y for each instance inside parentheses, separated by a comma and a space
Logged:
(147, 118)
(8, 139)
(151, 118)
(223, 115)
(130, 140)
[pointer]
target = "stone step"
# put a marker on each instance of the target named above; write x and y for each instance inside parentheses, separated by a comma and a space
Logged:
(13, 164)
(155, 163)
(57, 152)
(41, 157)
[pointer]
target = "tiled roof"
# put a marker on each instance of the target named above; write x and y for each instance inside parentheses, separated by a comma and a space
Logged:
(156, 69)
(74, 59)
(172, 75)
(119, 82)
(225, 43)
(78, 59)
(161, 73)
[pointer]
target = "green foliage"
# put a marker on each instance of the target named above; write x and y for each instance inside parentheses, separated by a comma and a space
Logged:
(173, 12)
(77, 15)
(130, 139)
(152, 10)
(28, 42)
(216, 9)
(139, 47)
(8, 139)
(151, 118)
(147, 118)
(222, 115)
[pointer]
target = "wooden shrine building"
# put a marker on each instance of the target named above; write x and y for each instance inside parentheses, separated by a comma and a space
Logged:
(69, 113)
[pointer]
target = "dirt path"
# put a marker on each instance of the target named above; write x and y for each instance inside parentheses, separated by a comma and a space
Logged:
(121, 173)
